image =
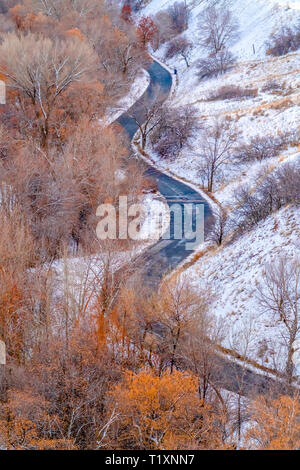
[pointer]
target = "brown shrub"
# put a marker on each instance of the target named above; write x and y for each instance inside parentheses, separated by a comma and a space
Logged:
(232, 92)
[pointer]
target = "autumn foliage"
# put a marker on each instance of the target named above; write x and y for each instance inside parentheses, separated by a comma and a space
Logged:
(161, 412)
(275, 423)
(147, 31)
(126, 13)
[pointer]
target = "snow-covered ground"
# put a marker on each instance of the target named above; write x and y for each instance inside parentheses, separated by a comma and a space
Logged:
(269, 113)
(257, 18)
(234, 271)
(156, 218)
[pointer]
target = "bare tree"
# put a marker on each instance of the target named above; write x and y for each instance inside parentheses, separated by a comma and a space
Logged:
(251, 209)
(165, 27)
(215, 64)
(199, 350)
(232, 92)
(274, 423)
(287, 179)
(179, 14)
(215, 152)
(279, 294)
(285, 40)
(175, 130)
(276, 190)
(148, 114)
(136, 5)
(219, 222)
(61, 190)
(179, 46)
(174, 310)
(218, 28)
(242, 341)
(3, 7)
(42, 70)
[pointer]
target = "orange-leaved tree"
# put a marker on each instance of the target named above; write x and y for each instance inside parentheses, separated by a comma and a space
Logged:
(160, 412)
(275, 424)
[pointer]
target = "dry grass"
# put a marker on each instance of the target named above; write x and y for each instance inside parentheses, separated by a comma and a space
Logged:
(282, 104)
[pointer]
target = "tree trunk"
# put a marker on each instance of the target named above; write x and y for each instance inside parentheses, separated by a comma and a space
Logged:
(3, 384)
(210, 184)
(175, 343)
(289, 369)
(186, 61)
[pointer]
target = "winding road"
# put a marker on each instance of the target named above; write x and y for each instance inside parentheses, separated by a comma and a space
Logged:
(166, 255)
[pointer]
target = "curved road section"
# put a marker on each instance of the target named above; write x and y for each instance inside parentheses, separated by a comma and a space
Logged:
(166, 254)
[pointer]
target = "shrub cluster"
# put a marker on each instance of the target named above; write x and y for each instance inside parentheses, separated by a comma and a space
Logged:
(176, 128)
(286, 40)
(262, 147)
(215, 65)
(232, 92)
(278, 189)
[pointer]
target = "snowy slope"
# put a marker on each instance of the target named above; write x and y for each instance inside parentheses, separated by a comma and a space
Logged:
(257, 18)
(234, 271)
(269, 113)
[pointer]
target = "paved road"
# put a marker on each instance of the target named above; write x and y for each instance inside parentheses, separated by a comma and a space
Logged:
(166, 255)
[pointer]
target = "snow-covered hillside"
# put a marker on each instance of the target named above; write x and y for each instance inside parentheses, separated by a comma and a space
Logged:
(234, 271)
(272, 112)
(257, 18)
